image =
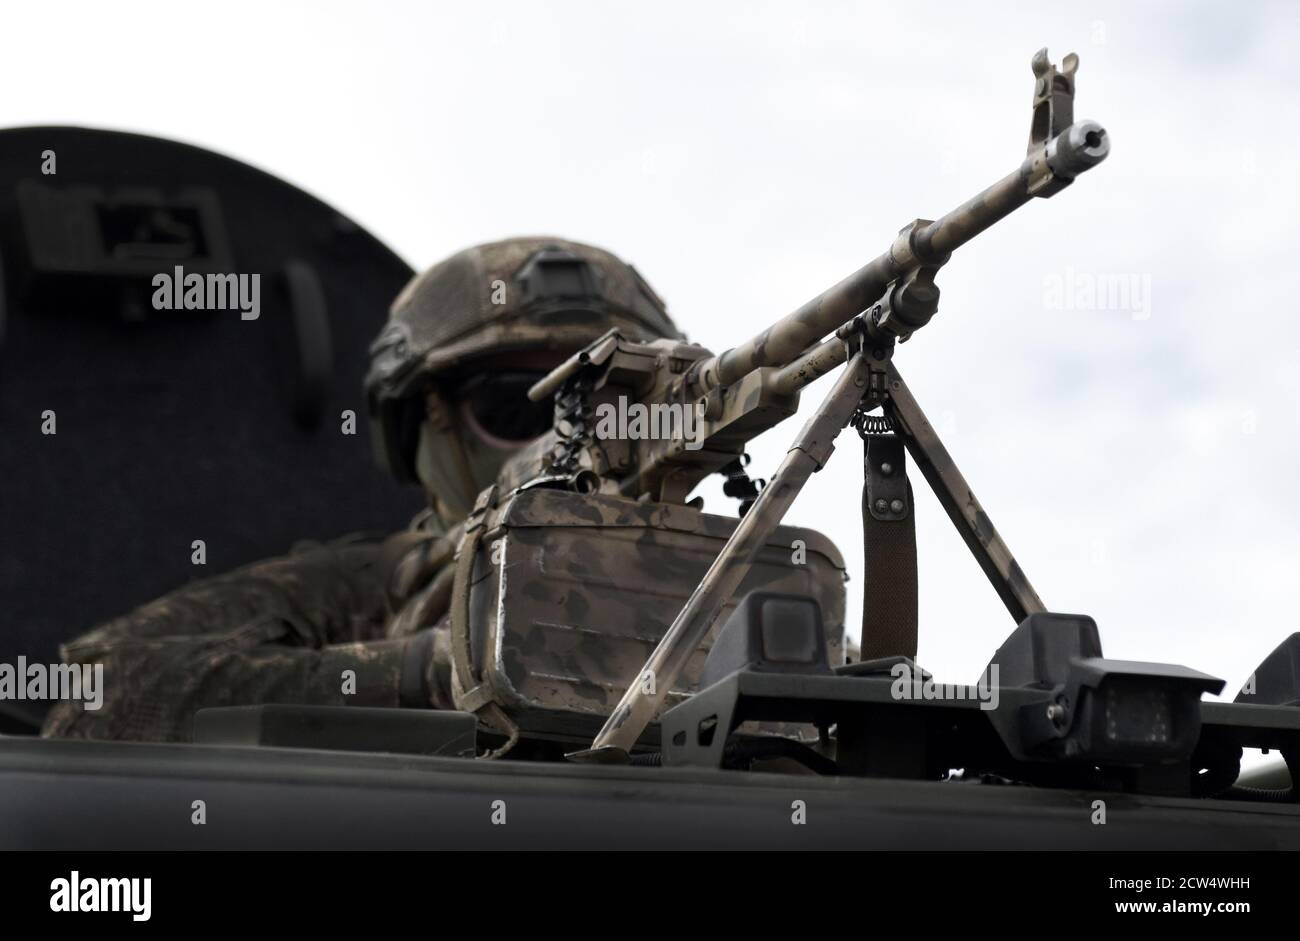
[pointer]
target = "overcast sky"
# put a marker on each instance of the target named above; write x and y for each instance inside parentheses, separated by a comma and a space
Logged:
(1140, 461)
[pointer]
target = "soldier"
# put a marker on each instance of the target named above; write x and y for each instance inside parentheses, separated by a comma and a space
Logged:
(360, 621)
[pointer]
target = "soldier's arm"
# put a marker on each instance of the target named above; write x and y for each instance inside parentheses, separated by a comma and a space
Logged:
(303, 628)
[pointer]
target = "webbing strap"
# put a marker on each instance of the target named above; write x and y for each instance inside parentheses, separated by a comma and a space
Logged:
(471, 694)
(889, 596)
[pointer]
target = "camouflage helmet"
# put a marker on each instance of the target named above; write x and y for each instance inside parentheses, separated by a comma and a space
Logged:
(521, 294)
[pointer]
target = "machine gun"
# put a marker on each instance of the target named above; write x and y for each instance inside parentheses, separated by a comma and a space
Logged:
(597, 542)
(713, 405)
(748, 389)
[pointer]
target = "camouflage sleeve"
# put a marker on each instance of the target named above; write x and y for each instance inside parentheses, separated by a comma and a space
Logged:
(284, 630)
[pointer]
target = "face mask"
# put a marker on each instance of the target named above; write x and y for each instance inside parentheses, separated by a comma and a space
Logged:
(443, 467)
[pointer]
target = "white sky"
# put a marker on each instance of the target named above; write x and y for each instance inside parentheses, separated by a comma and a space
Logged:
(746, 156)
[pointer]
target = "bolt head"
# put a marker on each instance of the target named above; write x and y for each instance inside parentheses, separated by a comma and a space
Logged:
(897, 506)
(886, 468)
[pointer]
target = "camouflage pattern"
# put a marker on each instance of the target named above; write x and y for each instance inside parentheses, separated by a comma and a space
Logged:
(572, 592)
(279, 631)
(530, 294)
(448, 315)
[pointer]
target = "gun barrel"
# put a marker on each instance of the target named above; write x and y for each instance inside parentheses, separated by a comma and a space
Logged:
(1075, 150)
(811, 366)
